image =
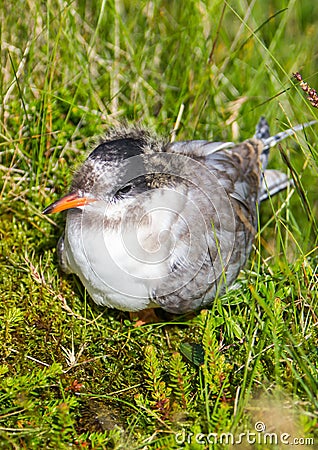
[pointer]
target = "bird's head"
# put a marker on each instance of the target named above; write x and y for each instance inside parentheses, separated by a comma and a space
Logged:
(115, 171)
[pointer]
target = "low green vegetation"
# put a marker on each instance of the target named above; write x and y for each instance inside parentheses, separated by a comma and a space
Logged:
(74, 375)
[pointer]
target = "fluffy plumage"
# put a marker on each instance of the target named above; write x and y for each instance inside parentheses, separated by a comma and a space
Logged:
(151, 223)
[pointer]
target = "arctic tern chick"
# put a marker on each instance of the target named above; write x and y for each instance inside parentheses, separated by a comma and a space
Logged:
(170, 225)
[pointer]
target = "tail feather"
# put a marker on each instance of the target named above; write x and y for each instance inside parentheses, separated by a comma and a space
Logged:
(262, 133)
(262, 129)
(273, 181)
(273, 140)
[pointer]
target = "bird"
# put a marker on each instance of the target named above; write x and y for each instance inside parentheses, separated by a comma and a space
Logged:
(152, 223)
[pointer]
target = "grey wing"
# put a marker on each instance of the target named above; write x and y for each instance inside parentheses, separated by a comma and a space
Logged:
(199, 148)
(220, 216)
(221, 161)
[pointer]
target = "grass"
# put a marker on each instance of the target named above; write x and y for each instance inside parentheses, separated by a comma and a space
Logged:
(73, 374)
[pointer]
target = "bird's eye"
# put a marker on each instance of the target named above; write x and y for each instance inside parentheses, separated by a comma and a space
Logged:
(124, 190)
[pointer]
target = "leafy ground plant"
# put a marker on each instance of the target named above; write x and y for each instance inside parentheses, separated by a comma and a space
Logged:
(242, 374)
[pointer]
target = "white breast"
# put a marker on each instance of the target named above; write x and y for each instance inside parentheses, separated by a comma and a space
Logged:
(122, 266)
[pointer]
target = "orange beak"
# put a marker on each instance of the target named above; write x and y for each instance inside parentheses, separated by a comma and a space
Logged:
(67, 202)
